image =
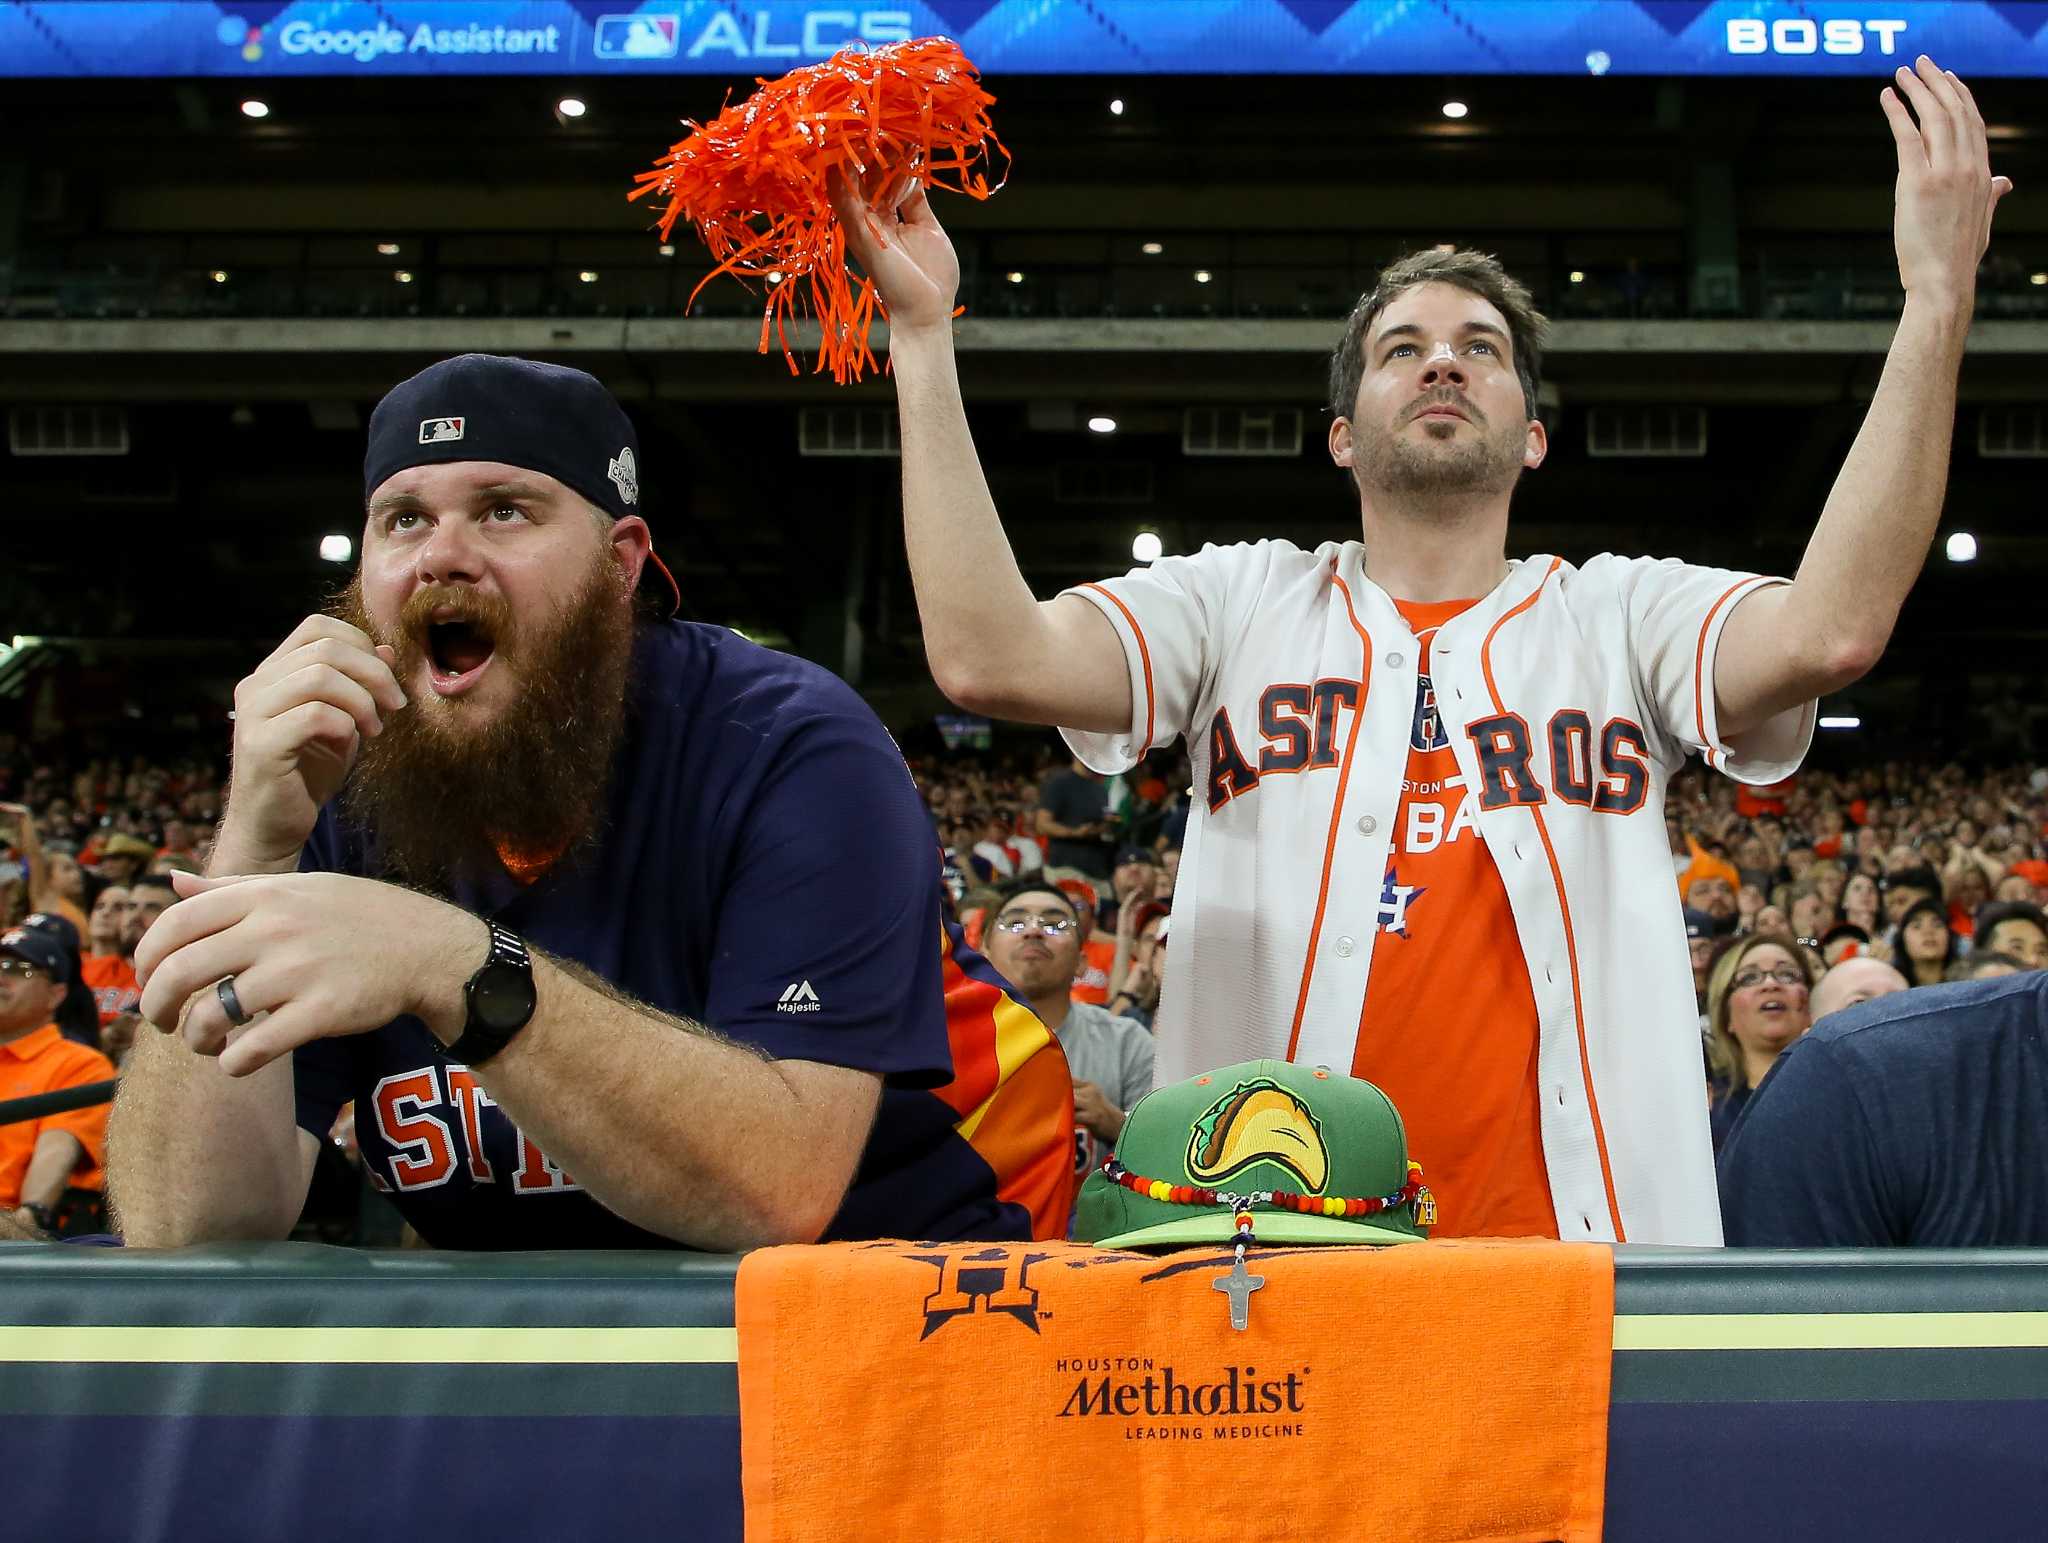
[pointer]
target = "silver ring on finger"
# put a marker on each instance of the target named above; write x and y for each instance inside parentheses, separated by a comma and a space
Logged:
(232, 1004)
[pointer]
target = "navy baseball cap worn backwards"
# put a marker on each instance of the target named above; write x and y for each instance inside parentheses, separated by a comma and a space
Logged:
(521, 412)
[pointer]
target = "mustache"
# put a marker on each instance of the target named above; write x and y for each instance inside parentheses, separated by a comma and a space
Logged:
(1445, 396)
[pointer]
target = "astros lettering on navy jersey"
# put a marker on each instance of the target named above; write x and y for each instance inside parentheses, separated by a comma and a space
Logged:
(1568, 696)
(765, 869)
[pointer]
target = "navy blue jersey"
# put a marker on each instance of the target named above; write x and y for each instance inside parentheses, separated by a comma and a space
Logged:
(1915, 1119)
(766, 869)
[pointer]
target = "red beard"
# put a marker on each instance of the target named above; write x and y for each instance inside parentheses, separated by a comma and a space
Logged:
(441, 795)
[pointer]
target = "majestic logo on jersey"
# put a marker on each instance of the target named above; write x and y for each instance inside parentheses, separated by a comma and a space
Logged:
(1311, 728)
(1428, 733)
(799, 998)
(434, 431)
(1258, 1122)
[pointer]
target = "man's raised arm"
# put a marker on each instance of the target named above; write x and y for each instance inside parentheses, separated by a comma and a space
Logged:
(993, 647)
(1791, 643)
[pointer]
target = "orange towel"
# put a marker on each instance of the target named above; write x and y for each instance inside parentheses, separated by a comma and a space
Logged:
(1020, 1391)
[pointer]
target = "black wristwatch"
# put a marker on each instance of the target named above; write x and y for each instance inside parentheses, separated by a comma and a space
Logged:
(500, 999)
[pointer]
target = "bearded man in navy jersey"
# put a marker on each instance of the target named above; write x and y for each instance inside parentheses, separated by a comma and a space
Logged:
(618, 930)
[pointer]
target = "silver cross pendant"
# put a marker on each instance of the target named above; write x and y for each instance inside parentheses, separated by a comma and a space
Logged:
(1238, 1285)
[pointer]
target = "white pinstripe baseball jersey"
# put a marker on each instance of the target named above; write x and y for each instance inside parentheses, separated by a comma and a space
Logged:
(1570, 695)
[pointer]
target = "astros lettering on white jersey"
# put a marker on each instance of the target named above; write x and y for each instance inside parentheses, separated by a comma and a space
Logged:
(1569, 695)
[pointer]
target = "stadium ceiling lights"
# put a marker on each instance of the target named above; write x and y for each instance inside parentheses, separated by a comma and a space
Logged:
(1962, 547)
(336, 549)
(403, 275)
(1014, 276)
(1146, 547)
(1102, 424)
(1152, 248)
(255, 109)
(1843, 722)
(572, 107)
(387, 249)
(1455, 109)
(1116, 107)
(1203, 275)
(2037, 278)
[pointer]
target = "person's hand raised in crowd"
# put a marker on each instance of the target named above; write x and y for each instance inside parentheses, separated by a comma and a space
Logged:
(1095, 1113)
(1127, 917)
(300, 717)
(1140, 987)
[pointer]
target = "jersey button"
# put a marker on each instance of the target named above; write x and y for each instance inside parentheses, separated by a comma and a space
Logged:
(1395, 661)
(1344, 948)
(1367, 824)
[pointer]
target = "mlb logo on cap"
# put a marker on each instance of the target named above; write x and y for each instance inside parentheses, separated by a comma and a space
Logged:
(434, 431)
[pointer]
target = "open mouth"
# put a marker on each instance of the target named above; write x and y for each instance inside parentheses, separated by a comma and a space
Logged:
(458, 652)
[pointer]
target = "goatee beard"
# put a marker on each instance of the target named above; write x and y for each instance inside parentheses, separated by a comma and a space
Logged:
(444, 798)
(1482, 463)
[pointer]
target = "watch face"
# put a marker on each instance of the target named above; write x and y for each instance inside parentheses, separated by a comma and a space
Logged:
(503, 998)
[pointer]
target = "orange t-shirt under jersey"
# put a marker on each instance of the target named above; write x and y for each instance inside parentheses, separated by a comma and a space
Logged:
(1449, 1024)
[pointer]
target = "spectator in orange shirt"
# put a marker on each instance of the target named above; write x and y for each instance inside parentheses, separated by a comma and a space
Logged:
(109, 963)
(40, 1158)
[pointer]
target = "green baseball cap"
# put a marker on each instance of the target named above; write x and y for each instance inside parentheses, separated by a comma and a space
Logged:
(1256, 1128)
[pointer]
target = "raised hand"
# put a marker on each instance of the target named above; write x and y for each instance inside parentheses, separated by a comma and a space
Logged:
(1941, 220)
(300, 717)
(899, 243)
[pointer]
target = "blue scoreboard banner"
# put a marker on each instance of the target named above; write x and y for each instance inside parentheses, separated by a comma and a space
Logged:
(1073, 37)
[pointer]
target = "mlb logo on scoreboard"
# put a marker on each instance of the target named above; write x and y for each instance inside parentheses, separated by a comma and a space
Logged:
(642, 35)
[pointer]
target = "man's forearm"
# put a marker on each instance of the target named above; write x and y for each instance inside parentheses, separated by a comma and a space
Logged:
(971, 597)
(194, 1155)
(56, 1154)
(670, 1126)
(1881, 514)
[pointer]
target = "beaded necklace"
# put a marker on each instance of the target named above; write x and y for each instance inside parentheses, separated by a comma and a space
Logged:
(1238, 1285)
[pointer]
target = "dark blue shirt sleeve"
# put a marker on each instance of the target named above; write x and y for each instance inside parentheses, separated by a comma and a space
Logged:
(321, 1080)
(1802, 1167)
(827, 934)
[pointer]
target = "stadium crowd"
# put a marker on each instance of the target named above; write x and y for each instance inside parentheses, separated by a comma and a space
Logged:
(1799, 899)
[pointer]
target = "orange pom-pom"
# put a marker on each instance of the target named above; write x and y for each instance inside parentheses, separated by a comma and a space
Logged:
(753, 180)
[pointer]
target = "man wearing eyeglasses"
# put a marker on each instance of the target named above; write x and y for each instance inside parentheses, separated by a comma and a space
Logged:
(1035, 940)
(39, 1158)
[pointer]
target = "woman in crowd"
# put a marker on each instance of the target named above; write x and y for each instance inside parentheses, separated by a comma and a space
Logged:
(1756, 1006)
(1860, 902)
(1926, 944)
